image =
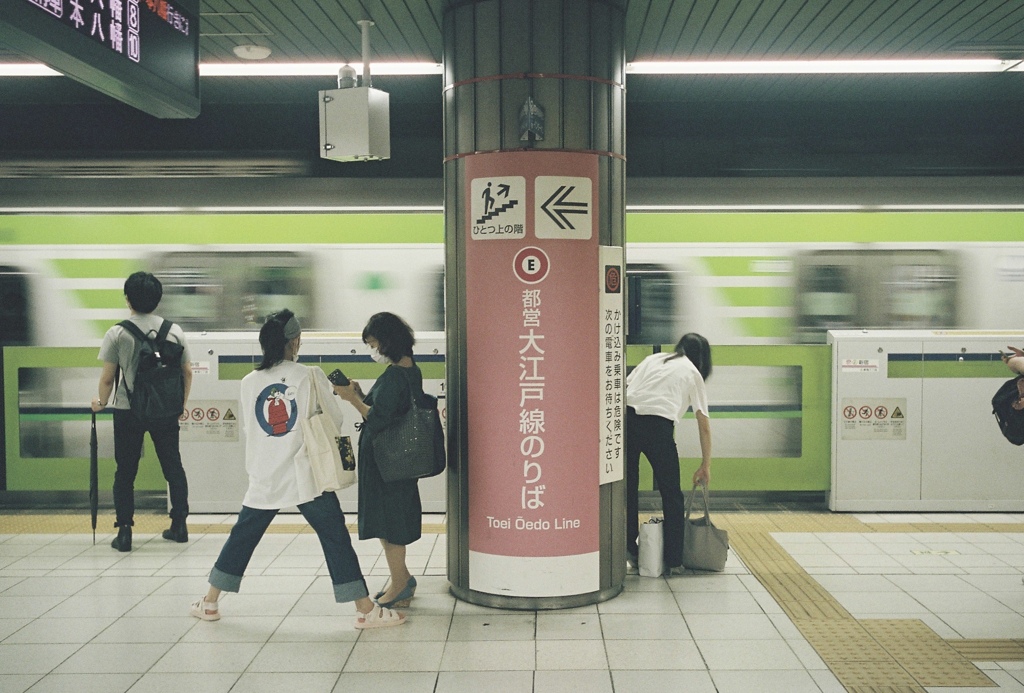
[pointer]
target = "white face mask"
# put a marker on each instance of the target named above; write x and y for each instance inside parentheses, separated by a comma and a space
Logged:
(377, 356)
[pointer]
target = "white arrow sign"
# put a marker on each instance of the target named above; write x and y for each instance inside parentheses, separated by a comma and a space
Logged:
(564, 207)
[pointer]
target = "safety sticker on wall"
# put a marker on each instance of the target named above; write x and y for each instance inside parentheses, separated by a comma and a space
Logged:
(873, 419)
(210, 421)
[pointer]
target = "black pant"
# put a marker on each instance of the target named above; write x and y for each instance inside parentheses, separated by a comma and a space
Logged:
(128, 434)
(654, 436)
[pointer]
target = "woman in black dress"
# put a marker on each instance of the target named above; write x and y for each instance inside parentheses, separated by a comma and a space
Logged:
(389, 511)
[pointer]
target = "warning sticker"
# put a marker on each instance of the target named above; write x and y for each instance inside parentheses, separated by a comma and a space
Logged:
(210, 421)
(873, 419)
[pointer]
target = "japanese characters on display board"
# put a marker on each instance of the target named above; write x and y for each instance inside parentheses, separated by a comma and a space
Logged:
(117, 24)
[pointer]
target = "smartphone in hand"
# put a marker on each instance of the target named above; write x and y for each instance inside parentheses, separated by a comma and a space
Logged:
(337, 377)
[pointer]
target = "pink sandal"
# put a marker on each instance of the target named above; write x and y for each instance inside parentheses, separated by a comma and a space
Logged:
(379, 617)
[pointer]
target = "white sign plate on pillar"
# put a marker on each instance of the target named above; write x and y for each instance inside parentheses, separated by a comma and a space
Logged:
(612, 363)
(563, 207)
(498, 206)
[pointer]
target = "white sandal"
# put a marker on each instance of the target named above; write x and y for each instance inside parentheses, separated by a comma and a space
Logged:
(379, 617)
(205, 610)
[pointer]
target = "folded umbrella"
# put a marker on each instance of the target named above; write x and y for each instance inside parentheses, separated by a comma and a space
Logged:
(94, 480)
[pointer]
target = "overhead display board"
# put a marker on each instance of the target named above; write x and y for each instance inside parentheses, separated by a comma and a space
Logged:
(142, 52)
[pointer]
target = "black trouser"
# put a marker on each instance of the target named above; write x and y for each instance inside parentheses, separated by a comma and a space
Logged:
(654, 436)
(128, 434)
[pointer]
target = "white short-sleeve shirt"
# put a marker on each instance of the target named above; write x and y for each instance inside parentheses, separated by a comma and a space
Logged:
(119, 347)
(273, 401)
(666, 387)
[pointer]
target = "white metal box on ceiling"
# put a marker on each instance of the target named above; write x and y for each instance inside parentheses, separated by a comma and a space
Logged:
(355, 124)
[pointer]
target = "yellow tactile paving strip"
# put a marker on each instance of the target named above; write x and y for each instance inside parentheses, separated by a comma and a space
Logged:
(876, 656)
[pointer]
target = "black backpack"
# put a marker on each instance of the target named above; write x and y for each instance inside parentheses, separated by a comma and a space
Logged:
(159, 382)
(1008, 407)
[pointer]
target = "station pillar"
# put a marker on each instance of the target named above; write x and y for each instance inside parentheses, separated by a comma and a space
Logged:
(534, 138)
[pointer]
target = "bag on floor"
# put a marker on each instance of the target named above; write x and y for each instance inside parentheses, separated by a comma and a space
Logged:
(705, 547)
(1008, 408)
(323, 443)
(651, 548)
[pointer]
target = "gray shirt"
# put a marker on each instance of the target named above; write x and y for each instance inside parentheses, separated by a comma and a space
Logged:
(119, 347)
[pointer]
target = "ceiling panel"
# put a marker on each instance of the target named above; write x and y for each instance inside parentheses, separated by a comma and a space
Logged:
(676, 106)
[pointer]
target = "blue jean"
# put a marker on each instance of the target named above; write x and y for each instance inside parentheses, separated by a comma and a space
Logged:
(328, 521)
(654, 436)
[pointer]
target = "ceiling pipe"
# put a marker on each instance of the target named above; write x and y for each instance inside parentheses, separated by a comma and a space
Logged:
(364, 25)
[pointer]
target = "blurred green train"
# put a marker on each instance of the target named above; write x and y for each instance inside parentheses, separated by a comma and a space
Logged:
(744, 279)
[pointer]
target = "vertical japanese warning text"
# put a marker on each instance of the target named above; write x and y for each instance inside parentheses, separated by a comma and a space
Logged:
(612, 353)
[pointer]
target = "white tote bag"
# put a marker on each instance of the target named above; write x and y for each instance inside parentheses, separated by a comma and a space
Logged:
(322, 440)
(651, 546)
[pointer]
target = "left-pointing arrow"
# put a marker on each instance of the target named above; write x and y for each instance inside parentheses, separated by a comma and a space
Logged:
(556, 209)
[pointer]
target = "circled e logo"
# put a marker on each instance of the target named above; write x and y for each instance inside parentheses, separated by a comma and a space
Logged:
(531, 265)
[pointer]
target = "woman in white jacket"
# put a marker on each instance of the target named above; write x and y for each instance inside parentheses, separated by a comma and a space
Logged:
(273, 397)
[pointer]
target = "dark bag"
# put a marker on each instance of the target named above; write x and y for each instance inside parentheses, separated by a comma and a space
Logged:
(1008, 407)
(159, 392)
(413, 447)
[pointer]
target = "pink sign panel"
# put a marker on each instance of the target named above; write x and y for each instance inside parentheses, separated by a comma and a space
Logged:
(532, 338)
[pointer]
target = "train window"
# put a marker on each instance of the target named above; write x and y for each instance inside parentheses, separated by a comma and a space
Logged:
(271, 286)
(219, 291)
(850, 289)
(826, 300)
(435, 321)
(921, 296)
(651, 306)
(757, 412)
(14, 307)
(50, 419)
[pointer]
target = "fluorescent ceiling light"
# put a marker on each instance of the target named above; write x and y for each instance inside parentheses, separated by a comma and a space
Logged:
(818, 67)
(312, 69)
(681, 67)
(27, 70)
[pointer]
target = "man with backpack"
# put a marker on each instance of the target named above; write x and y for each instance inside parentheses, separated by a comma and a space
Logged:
(146, 367)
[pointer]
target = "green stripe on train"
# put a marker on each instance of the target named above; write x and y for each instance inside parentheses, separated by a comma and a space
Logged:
(100, 327)
(766, 327)
(92, 268)
(757, 296)
(101, 298)
(832, 227)
(680, 227)
(742, 266)
(233, 229)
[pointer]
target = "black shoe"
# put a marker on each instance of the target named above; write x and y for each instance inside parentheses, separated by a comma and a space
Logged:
(123, 541)
(178, 532)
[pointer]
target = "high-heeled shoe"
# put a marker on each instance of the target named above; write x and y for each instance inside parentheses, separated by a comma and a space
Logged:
(404, 597)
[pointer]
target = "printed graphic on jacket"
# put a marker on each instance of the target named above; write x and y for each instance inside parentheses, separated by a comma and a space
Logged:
(276, 411)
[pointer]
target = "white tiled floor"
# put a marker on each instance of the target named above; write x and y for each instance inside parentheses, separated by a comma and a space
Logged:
(82, 618)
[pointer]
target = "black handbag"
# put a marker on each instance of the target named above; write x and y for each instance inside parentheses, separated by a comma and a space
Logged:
(412, 448)
(1008, 408)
